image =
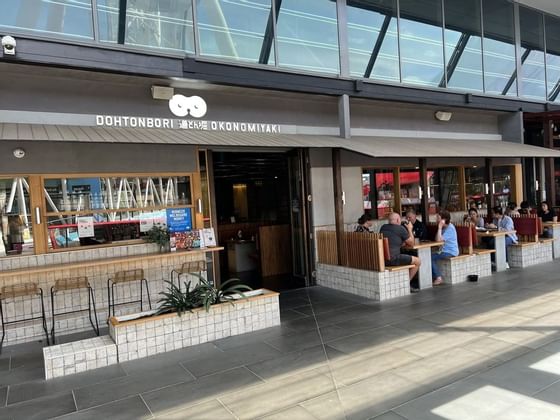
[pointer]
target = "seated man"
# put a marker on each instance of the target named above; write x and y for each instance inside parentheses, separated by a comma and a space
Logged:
(398, 236)
(418, 228)
(447, 234)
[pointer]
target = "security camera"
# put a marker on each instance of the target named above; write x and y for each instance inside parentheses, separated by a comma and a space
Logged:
(9, 45)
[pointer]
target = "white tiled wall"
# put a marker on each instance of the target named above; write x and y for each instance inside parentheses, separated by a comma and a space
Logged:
(137, 339)
(527, 255)
(79, 356)
(370, 284)
(456, 270)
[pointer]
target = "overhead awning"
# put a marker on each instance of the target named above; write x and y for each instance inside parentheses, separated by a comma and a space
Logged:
(369, 146)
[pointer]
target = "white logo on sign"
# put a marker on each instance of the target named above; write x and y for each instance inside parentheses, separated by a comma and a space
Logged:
(182, 106)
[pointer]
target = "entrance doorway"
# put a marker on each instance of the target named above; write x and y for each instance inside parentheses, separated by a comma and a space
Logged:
(261, 218)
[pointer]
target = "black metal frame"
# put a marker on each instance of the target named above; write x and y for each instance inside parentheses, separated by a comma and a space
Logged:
(176, 274)
(43, 317)
(91, 300)
(111, 295)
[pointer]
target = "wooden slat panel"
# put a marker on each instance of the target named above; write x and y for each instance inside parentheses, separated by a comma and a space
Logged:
(361, 250)
(275, 250)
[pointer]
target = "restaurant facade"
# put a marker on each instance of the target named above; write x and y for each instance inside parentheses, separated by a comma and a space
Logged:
(265, 130)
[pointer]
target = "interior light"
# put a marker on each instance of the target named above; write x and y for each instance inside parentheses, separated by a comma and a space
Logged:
(443, 115)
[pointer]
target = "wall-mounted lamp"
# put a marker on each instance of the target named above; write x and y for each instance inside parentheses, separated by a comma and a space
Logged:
(18, 153)
(486, 189)
(162, 92)
(443, 115)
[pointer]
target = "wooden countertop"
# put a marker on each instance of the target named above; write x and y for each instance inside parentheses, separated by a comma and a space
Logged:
(493, 233)
(552, 224)
(105, 261)
(425, 244)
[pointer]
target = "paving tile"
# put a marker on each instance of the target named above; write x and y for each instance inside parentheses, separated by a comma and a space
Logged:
(527, 337)
(518, 375)
(38, 388)
(18, 376)
(235, 357)
(212, 410)
(132, 408)
(497, 349)
(550, 394)
(327, 406)
(361, 403)
(276, 395)
(390, 415)
(135, 383)
(172, 358)
(294, 342)
(445, 367)
(355, 368)
(184, 395)
(293, 363)
(254, 337)
(292, 413)
(434, 343)
(26, 361)
(4, 364)
(40, 408)
(369, 340)
(290, 315)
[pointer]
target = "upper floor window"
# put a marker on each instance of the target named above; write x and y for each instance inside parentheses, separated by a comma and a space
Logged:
(72, 18)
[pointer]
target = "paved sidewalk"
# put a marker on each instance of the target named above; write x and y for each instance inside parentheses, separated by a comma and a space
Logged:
(487, 350)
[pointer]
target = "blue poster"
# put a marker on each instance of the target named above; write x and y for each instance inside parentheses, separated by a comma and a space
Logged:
(179, 220)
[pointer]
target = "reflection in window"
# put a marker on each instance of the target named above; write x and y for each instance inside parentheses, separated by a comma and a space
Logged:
(502, 185)
(532, 56)
(499, 48)
(16, 236)
(118, 208)
(463, 45)
(372, 39)
(443, 189)
(378, 187)
(157, 24)
(421, 41)
(553, 57)
(237, 30)
(308, 35)
(475, 186)
(61, 17)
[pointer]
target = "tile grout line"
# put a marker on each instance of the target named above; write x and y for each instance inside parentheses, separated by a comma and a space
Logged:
(323, 345)
(227, 408)
(146, 404)
(75, 403)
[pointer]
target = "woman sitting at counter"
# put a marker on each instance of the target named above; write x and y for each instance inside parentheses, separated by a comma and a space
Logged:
(365, 222)
(447, 234)
(474, 218)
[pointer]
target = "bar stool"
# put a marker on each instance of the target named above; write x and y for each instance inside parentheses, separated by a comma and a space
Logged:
(74, 283)
(127, 277)
(21, 290)
(190, 267)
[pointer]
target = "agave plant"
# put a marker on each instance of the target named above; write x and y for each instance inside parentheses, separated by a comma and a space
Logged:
(175, 300)
(210, 295)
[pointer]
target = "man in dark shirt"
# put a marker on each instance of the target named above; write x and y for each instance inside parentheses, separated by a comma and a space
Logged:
(398, 236)
(418, 228)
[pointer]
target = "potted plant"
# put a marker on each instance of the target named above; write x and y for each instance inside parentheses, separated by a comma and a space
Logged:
(159, 235)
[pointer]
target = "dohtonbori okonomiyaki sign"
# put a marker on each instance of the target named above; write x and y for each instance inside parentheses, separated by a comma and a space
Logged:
(183, 106)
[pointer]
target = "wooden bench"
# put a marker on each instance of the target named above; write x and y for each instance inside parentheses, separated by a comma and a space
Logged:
(531, 249)
(363, 270)
(470, 261)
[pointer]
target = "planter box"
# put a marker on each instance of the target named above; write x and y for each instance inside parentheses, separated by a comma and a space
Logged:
(142, 337)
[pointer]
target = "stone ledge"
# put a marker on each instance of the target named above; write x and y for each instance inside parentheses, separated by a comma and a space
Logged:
(457, 269)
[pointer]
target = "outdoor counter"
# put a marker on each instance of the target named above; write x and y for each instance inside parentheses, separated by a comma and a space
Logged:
(98, 266)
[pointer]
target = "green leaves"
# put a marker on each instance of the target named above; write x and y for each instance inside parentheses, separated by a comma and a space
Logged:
(158, 235)
(204, 294)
